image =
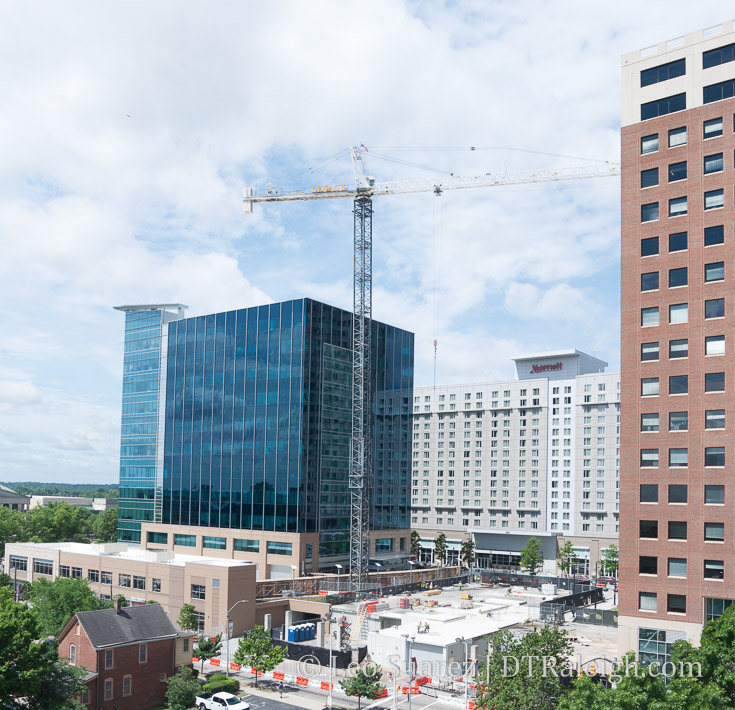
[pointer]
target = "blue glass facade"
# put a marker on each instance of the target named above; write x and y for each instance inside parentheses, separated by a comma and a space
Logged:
(257, 421)
(141, 366)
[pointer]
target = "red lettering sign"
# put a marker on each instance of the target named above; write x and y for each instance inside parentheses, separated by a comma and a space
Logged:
(546, 368)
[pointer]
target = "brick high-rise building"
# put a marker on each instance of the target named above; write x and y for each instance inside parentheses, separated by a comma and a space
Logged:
(677, 532)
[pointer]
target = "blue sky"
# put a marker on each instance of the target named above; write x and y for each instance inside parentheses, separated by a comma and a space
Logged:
(130, 128)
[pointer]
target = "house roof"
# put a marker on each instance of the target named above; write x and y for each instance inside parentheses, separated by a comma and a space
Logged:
(106, 628)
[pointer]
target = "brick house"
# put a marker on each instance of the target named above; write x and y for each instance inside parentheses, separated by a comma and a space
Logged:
(128, 653)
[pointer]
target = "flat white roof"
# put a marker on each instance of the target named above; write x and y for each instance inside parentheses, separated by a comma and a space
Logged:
(557, 353)
(133, 553)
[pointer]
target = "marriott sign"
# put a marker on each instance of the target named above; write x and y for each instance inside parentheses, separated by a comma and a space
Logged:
(546, 368)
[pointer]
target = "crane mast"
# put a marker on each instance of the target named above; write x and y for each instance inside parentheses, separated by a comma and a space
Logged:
(365, 187)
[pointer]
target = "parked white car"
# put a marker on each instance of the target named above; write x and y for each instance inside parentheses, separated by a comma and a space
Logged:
(220, 701)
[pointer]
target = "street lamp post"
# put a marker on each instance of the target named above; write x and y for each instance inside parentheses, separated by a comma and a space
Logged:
(409, 642)
(464, 675)
(339, 577)
(410, 578)
(293, 580)
(328, 618)
(227, 629)
(377, 573)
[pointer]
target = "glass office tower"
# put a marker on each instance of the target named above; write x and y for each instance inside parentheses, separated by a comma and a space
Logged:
(258, 422)
(143, 373)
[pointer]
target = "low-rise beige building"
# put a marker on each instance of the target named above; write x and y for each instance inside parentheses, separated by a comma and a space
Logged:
(12, 499)
(212, 585)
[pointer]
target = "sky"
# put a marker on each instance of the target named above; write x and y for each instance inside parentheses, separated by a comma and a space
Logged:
(128, 130)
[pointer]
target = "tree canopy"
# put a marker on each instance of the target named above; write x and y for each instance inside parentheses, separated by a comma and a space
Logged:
(256, 649)
(31, 675)
(365, 683)
(532, 559)
(55, 602)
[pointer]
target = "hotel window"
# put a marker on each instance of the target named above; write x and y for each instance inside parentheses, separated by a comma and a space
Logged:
(678, 277)
(647, 601)
(714, 569)
(647, 564)
(714, 199)
(678, 171)
(714, 419)
(714, 235)
(677, 241)
(649, 458)
(677, 137)
(714, 345)
(648, 529)
(649, 247)
(677, 567)
(718, 92)
(714, 308)
(678, 313)
(663, 72)
(649, 178)
(714, 382)
(714, 456)
(678, 206)
(714, 532)
(649, 281)
(649, 212)
(713, 163)
(678, 384)
(678, 493)
(662, 107)
(649, 386)
(649, 316)
(649, 422)
(678, 421)
(712, 128)
(714, 495)
(649, 144)
(678, 458)
(678, 348)
(721, 55)
(676, 603)
(649, 351)
(677, 530)
(649, 493)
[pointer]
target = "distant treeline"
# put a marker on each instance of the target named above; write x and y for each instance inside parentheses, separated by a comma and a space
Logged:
(82, 490)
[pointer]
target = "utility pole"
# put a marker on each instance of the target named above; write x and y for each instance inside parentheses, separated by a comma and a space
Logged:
(227, 631)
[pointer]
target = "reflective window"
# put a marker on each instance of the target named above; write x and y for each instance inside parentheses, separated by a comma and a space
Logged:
(649, 281)
(714, 199)
(715, 57)
(677, 171)
(678, 348)
(677, 493)
(677, 206)
(649, 247)
(677, 137)
(714, 271)
(662, 107)
(663, 72)
(714, 235)
(649, 316)
(649, 178)
(649, 144)
(678, 384)
(649, 212)
(713, 163)
(714, 382)
(678, 277)
(649, 422)
(714, 494)
(649, 493)
(678, 241)
(678, 421)
(714, 308)
(714, 419)
(649, 351)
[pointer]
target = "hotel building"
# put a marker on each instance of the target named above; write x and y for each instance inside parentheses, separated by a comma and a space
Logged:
(500, 462)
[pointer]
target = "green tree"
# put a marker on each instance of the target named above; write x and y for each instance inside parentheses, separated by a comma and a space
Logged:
(566, 556)
(365, 683)
(609, 562)
(187, 620)
(532, 559)
(182, 689)
(440, 548)
(208, 648)
(6, 580)
(467, 552)
(256, 649)
(56, 601)
(415, 547)
(57, 522)
(29, 668)
(511, 686)
(104, 526)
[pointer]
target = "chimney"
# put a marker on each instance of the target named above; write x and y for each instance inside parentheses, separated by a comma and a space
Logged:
(117, 604)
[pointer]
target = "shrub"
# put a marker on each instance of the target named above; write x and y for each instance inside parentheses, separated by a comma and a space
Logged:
(220, 683)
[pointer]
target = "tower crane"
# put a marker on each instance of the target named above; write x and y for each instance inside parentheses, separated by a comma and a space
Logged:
(361, 192)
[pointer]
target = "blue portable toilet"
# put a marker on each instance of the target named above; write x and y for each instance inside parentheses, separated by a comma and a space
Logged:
(312, 628)
(300, 633)
(292, 633)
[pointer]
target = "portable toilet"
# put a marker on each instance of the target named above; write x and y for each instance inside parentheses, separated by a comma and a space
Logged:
(312, 635)
(300, 633)
(292, 633)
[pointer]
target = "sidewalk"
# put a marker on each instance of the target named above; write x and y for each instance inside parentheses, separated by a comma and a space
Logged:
(291, 695)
